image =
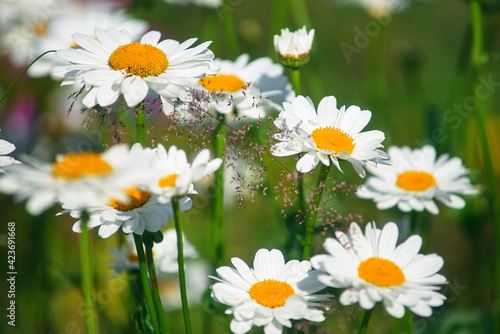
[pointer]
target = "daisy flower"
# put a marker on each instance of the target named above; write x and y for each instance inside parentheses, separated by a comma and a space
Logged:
(271, 294)
(250, 87)
(113, 65)
(197, 282)
(293, 48)
(379, 8)
(142, 211)
(78, 175)
(139, 212)
(329, 135)
(171, 175)
(373, 270)
(165, 258)
(164, 254)
(6, 148)
(203, 3)
(415, 178)
(21, 22)
(78, 18)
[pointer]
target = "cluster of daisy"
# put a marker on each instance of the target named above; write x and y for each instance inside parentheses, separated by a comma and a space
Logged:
(132, 188)
(369, 266)
(127, 188)
(410, 179)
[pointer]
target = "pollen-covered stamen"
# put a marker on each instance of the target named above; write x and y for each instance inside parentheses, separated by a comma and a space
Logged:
(271, 293)
(415, 181)
(167, 181)
(330, 138)
(381, 272)
(137, 198)
(77, 165)
(222, 82)
(143, 60)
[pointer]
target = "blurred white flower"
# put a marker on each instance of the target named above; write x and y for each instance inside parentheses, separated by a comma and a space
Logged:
(172, 176)
(79, 18)
(248, 88)
(203, 3)
(164, 254)
(77, 175)
(140, 212)
(165, 257)
(6, 148)
(379, 8)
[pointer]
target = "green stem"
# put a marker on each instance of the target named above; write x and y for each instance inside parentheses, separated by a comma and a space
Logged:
(180, 261)
(302, 197)
(150, 306)
(20, 75)
(229, 28)
(278, 16)
(476, 59)
(364, 322)
(477, 34)
(162, 320)
(218, 219)
(300, 12)
(377, 77)
(140, 126)
(409, 323)
(296, 80)
(395, 326)
(311, 222)
(210, 28)
(87, 277)
(414, 228)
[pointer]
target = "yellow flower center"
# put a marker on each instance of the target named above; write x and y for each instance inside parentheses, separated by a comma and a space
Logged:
(76, 165)
(224, 82)
(167, 181)
(137, 198)
(271, 293)
(415, 181)
(381, 272)
(330, 138)
(143, 60)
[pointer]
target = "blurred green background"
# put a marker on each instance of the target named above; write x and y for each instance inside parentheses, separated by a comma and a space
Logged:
(409, 71)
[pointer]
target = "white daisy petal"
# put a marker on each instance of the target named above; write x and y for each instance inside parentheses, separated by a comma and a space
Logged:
(393, 308)
(373, 269)
(388, 240)
(330, 134)
(292, 285)
(307, 162)
(151, 37)
(415, 178)
(166, 67)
